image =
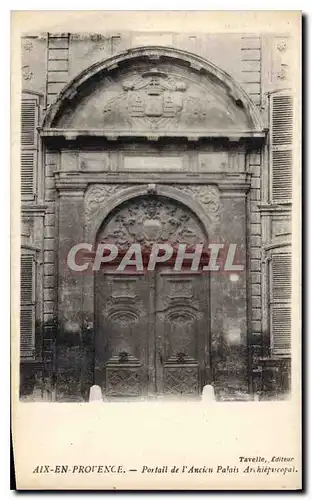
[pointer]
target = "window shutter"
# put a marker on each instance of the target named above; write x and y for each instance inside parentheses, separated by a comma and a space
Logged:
(281, 276)
(27, 315)
(28, 160)
(29, 123)
(281, 146)
(280, 303)
(281, 330)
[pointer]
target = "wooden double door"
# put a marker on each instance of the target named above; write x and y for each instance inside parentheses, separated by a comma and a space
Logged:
(152, 334)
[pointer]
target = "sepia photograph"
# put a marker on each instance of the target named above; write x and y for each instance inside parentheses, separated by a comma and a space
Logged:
(158, 171)
(179, 144)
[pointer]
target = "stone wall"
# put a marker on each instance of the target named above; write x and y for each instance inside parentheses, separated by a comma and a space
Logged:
(259, 64)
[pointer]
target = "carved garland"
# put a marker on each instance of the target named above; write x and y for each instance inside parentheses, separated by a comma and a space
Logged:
(208, 197)
(99, 194)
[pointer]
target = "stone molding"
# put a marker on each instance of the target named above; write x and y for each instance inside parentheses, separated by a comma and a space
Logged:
(74, 134)
(155, 53)
(75, 190)
(224, 180)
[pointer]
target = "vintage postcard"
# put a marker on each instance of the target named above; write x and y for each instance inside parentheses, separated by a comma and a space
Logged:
(156, 335)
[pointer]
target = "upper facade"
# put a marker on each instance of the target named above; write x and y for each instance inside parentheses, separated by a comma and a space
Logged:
(157, 84)
(218, 107)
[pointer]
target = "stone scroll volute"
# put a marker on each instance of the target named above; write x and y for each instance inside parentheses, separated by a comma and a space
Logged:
(97, 195)
(209, 198)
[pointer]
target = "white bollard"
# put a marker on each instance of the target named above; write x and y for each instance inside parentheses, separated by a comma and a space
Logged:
(208, 395)
(95, 394)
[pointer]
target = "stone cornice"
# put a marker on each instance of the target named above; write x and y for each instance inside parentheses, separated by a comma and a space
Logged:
(73, 189)
(33, 248)
(34, 209)
(225, 181)
(32, 92)
(234, 191)
(277, 244)
(114, 135)
(268, 208)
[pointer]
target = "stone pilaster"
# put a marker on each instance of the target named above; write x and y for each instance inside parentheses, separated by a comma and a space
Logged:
(229, 289)
(70, 343)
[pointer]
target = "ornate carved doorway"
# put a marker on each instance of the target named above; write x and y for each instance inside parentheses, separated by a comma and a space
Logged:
(152, 327)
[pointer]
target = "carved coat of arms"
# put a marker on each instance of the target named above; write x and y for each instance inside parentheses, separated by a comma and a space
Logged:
(153, 97)
(152, 220)
(157, 101)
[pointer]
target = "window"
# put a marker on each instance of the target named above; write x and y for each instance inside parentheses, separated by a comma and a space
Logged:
(280, 301)
(281, 146)
(27, 315)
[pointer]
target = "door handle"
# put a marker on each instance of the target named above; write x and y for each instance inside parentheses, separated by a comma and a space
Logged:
(160, 356)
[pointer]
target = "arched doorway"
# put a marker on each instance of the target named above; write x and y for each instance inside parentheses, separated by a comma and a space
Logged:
(152, 327)
(152, 119)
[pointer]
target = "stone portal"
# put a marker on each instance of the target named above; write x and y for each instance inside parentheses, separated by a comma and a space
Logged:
(152, 328)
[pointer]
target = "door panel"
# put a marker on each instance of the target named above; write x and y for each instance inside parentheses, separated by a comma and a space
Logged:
(181, 333)
(151, 333)
(151, 329)
(122, 333)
